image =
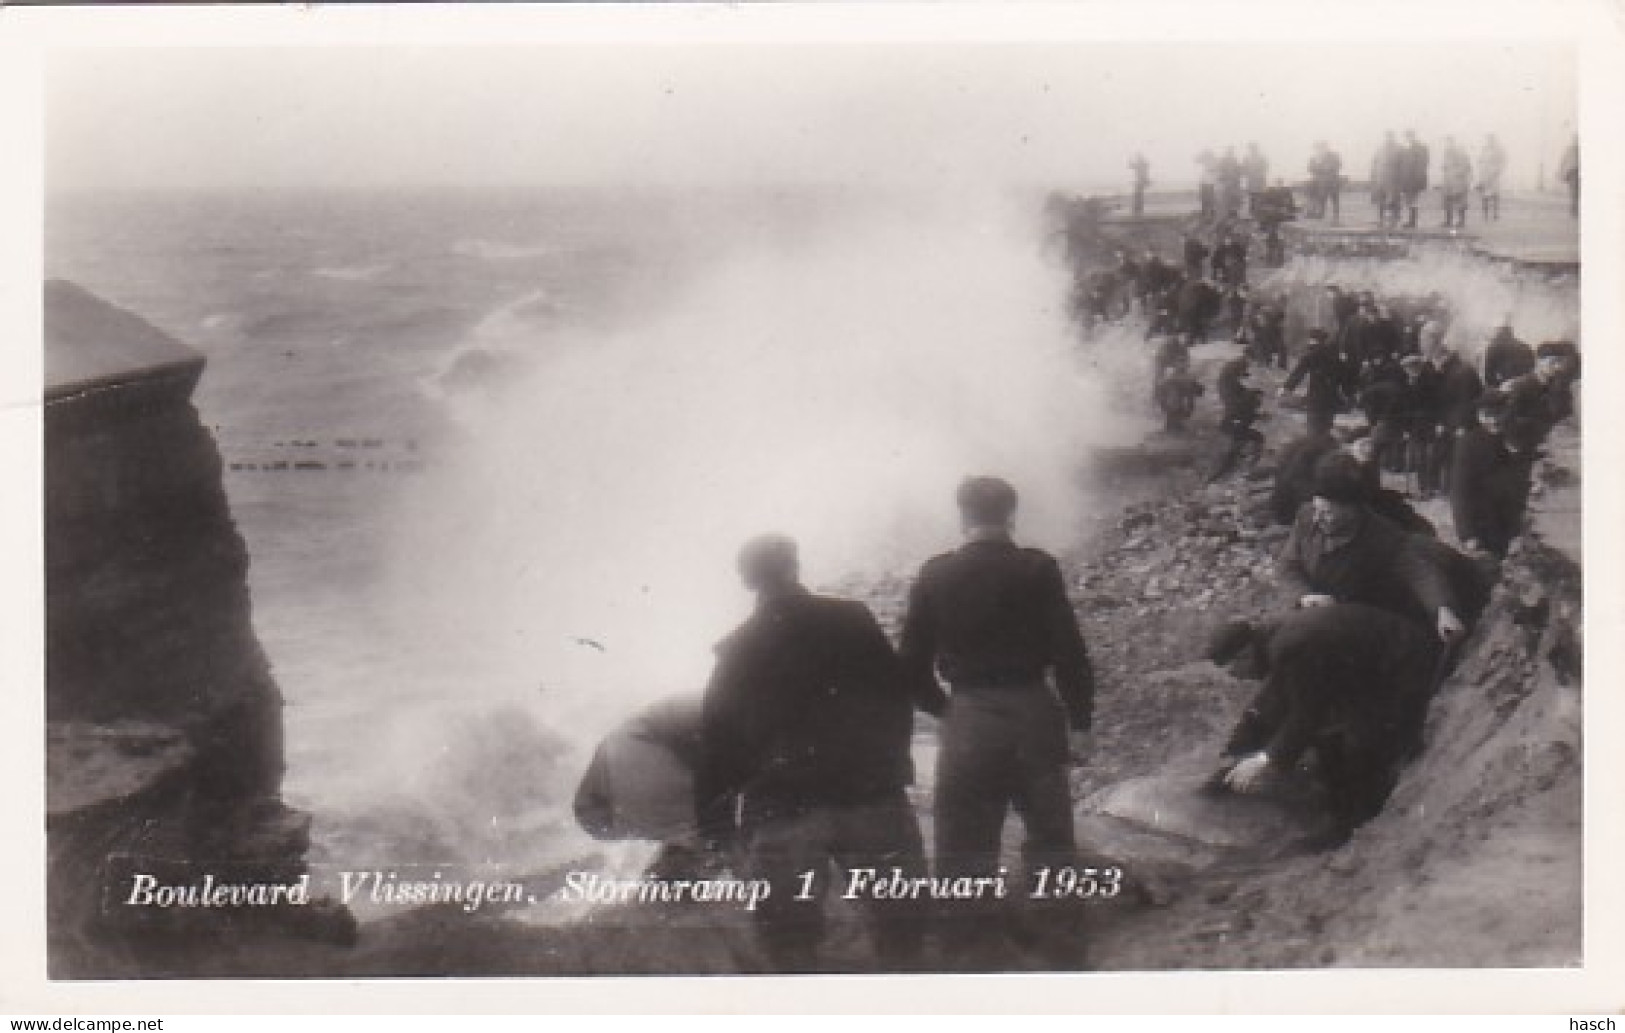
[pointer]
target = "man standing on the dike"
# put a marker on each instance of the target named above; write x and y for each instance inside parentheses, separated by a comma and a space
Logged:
(1568, 171)
(804, 759)
(1455, 183)
(1413, 178)
(992, 619)
(1387, 176)
(1325, 183)
(1142, 179)
(1492, 163)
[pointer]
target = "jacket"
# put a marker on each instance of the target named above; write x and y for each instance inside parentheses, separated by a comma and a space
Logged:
(1382, 566)
(805, 705)
(992, 613)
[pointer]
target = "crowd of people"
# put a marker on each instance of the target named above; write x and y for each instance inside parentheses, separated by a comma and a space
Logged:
(1401, 173)
(800, 748)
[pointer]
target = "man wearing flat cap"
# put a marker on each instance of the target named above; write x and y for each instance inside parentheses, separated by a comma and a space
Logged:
(992, 620)
(805, 729)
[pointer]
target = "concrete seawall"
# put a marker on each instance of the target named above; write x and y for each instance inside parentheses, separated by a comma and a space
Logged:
(164, 723)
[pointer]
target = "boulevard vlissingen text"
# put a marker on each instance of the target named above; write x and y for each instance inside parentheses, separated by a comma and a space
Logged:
(859, 883)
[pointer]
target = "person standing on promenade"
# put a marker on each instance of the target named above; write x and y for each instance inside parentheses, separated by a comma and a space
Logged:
(1142, 180)
(1568, 170)
(1255, 175)
(1208, 187)
(1386, 172)
(1492, 163)
(1455, 182)
(1325, 183)
(1413, 177)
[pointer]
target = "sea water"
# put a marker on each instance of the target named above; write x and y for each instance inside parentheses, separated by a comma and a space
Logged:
(492, 451)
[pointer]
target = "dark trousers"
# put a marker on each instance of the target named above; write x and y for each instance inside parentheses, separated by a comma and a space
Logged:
(1420, 459)
(1244, 441)
(1440, 459)
(1361, 739)
(785, 840)
(1002, 748)
(1359, 773)
(1455, 209)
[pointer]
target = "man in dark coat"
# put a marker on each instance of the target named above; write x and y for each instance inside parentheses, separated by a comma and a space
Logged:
(1325, 183)
(993, 621)
(1142, 179)
(1541, 398)
(1327, 374)
(1230, 261)
(1344, 305)
(1348, 681)
(1229, 175)
(1381, 399)
(1354, 339)
(1413, 178)
(1199, 303)
(1341, 552)
(804, 758)
(1568, 171)
(1196, 256)
(1159, 278)
(1385, 342)
(1506, 357)
(1266, 333)
(1459, 388)
(1419, 420)
(1489, 487)
(1387, 175)
(1295, 469)
(1241, 404)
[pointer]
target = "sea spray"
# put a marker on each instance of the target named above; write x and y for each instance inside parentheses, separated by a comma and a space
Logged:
(575, 556)
(1480, 295)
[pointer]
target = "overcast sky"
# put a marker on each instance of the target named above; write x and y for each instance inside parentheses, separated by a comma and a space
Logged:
(1063, 114)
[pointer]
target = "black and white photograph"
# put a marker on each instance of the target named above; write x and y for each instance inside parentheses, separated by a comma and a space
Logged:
(692, 499)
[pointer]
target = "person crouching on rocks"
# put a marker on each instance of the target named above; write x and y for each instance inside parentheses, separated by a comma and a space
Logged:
(1174, 390)
(1339, 551)
(1349, 683)
(1241, 410)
